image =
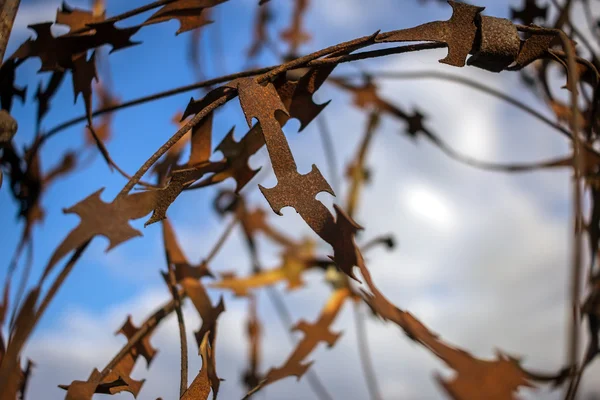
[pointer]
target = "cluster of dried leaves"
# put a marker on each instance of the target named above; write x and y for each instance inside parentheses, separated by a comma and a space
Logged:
(269, 97)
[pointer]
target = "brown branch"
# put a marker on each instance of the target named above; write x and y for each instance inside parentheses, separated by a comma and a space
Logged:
(181, 325)
(174, 139)
(576, 267)
(329, 150)
(304, 61)
(226, 78)
(467, 82)
(8, 12)
(153, 321)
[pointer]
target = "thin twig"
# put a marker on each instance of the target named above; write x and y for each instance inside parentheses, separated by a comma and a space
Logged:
(146, 328)
(60, 279)
(188, 88)
(153, 97)
(329, 150)
(152, 322)
(183, 346)
(181, 325)
(573, 77)
(174, 139)
(296, 63)
(365, 354)
(221, 241)
(357, 179)
(467, 82)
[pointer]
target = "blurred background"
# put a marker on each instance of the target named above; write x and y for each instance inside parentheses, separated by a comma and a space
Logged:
(482, 257)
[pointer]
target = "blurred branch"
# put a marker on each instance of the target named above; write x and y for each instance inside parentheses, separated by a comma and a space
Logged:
(8, 12)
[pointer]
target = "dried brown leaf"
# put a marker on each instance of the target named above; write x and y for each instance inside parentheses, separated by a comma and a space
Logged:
(475, 378)
(43, 96)
(110, 220)
(175, 256)
(10, 368)
(260, 37)
(76, 18)
(295, 35)
(313, 335)
(178, 181)
(529, 13)
(187, 12)
(8, 90)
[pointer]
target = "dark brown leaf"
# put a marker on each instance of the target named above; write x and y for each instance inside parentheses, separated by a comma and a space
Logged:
(8, 90)
(534, 48)
(187, 12)
(529, 13)
(43, 96)
(175, 256)
(260, 37)
(251, 377)
(295, 35)
(180, 179)
(201, 141)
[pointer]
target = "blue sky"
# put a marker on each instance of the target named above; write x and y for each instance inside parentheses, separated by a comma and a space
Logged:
(489, 256)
